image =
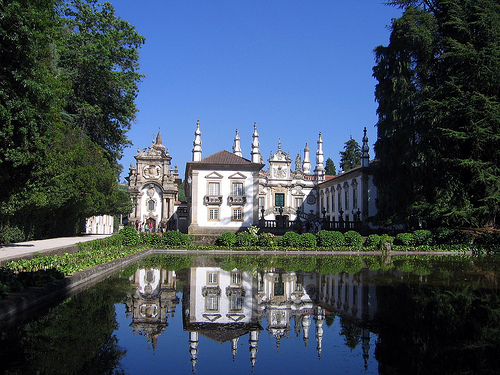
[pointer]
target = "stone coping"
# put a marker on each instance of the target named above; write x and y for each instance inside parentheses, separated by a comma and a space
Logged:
(21, 306)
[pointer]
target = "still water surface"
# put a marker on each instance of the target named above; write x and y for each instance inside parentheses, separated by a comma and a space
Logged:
(264, 315)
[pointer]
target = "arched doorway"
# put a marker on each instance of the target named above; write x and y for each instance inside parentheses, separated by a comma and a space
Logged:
(151, 223)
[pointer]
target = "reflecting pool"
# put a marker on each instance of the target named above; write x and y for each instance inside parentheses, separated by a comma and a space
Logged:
(263, 315)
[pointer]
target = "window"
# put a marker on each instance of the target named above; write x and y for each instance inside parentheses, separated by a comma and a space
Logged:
(213, 188)
(261, 203)
(355, 197)
(236, 303)
(212, 278)
(279, 200)
(212, 302)
(236, 278)
(238, 188)
(237, 214)
(347, 199)
(333, 202)
(339, 195)
(299, 202)
(213, 214)
(151, 205)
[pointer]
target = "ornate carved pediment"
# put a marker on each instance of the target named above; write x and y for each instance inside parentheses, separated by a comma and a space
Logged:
(238, 176)
(214, 176)
(237, 200)
(235, 291)
(213, 199)
(151, 171)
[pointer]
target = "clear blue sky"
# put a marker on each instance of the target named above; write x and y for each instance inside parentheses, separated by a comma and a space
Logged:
(295, 67)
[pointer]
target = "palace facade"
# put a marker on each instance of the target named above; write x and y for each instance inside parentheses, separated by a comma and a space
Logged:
(228, 192)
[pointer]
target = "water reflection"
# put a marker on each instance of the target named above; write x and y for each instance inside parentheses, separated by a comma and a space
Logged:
(224, 305)
(351, 315)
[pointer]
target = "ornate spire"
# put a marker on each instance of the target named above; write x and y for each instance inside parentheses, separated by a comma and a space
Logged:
(306, 165)
(197, 143)
(237, 145)
(279, 144)
(319, 171)
(256, 157)
(365, 156)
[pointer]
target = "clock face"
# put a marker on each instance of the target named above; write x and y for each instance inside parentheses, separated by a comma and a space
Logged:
(152, 171)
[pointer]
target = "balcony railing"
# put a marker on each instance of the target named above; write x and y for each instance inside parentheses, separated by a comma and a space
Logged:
(213, 199)
(237, 199)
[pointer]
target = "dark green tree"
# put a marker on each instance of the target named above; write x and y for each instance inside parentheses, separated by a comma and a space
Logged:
(351, 156)
(330, 167)
(99, 57)
(56, 170)
(439, 114)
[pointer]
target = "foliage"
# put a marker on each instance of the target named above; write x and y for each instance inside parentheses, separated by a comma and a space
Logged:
(330, 239)
(442, 235)
(177, 239)
(439, 115)
(245, 239)
(423, 237)
(266, 240)
(291, 239)
(9, 234)
(307, 240)
(330, 167)
(373, 240)
(131, 236)
(405, 239)
(353, 238)
(227, 239)
(351, 156)
(67, 92)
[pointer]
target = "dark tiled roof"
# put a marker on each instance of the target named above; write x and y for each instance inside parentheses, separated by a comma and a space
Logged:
(225, 157)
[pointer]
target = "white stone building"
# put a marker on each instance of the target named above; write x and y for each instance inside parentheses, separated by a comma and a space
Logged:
(154, 187)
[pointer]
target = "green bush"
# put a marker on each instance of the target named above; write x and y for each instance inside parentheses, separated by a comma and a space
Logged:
(461, 238)
(405, 239)
(176, 238)
(227, 239)
(10, 234)
(373, 240)
(353, 238)
(131, 237)
(386, 238)
(245, 239)
(290, 239)
(330, 239)
(307, 240)
(266, 240)
(423, 237)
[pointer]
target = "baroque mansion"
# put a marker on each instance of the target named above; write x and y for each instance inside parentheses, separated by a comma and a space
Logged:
(227, 192)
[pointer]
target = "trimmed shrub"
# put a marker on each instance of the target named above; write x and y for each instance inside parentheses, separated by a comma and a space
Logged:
(460, 238)
(131, 236)
(330, 239)
(10, 234)
(373, 240)
(227, 239)
(423, 237)
(307, 240)
(245, 239)
(386, 238)
(405, 239)
(353, 238)
(266, 240)
(175, 238)
(290, 239)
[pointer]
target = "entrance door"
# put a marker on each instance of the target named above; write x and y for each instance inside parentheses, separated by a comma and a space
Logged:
(151, 224)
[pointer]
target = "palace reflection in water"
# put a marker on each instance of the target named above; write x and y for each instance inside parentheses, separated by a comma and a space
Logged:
(224, 305)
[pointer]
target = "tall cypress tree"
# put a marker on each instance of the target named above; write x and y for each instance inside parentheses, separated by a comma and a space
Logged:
(439, 106)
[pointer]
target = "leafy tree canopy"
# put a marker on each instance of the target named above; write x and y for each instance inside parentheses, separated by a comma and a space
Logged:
(68, 81)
